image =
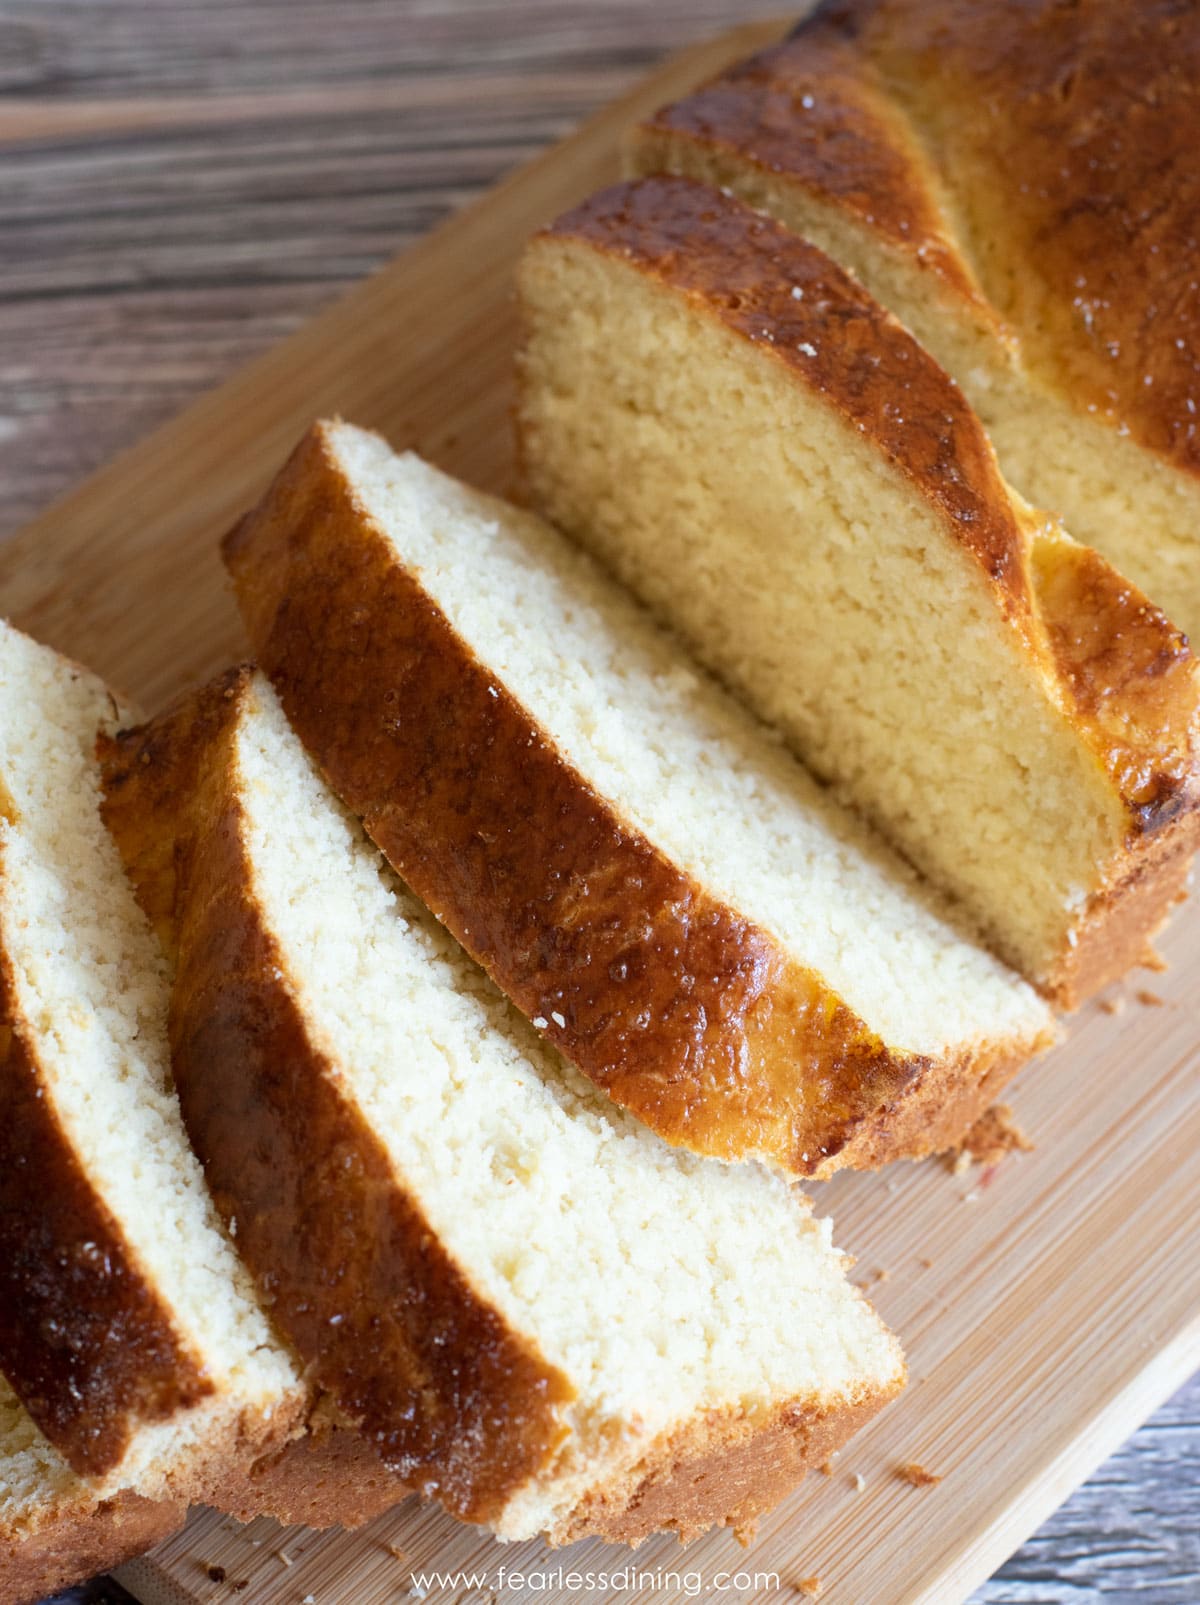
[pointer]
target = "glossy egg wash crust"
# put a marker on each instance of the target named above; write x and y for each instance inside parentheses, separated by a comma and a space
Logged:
(821, 517)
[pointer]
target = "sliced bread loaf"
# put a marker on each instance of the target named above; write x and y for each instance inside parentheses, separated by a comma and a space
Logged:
(543, 1315)
(965, 161)
(128, 1326)
(724, 417)
(651, 878)
(53, 1528)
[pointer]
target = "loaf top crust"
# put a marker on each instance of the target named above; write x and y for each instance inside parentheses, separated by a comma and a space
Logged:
(1064, 178)
(1112, 660)
(806, 109)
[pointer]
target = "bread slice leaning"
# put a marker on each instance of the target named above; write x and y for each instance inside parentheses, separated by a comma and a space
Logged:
(543, 1315)
(716, 410)
(128, 1326)
(950, 157)
(54, 1529)
(669, 897)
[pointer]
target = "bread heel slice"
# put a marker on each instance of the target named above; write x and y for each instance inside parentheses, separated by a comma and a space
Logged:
(541, 1314)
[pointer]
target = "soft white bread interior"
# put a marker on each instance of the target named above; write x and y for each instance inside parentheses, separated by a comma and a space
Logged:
(639, 864)
(545, 1316)
(128, 1325)
(821, 516)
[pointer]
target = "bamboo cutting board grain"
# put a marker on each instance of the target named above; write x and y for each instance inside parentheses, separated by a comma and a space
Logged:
(1046, 1308)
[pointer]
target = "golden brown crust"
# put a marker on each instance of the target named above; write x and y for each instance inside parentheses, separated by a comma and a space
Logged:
(682, 1010)
(741, 268)
(1065, 136)
(329, 1477)
(1128, 677)
(1113, 933)
(455, 1400)
(1078, 127)
(75, 1543)
(948, 1105)
(724, 1470)
(811, 115)
(85, 1340)
(1111, 662)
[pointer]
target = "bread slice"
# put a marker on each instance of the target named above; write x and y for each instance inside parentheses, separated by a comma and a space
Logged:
(128, 1326)
(712, 407)
(951, 156)
(53, 1528)
(542, 1314)
(668, 895)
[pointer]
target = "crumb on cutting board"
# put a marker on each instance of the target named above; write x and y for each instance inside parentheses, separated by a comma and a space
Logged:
(810, 1587)
(1149, 1000)
(216, 1574)
(915, 1474)
(994, 1135)
(747, 1532)
(1113, 1005)
(860, 1482)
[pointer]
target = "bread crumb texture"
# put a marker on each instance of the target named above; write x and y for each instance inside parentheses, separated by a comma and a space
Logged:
(994, 1135)
(915, 1474)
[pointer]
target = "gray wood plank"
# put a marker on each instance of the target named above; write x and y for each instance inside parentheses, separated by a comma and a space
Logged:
(183, 184)
(1130, 1535)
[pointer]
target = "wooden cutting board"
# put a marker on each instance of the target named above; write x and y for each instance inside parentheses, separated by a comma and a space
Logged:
(1046, 1308)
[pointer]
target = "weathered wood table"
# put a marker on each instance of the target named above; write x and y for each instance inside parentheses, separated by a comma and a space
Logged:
(181, 184)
